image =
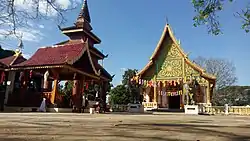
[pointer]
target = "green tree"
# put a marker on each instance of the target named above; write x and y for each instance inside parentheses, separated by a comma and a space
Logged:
(132, 87)
(119, 95)
(128, 75)
(5, 53)
(128, 91)
(207, 14)
(233, 95)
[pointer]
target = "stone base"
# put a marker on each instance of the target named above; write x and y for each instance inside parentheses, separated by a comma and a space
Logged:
(191, 109)
(135, 108)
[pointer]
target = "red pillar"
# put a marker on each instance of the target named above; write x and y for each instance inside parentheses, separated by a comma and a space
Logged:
(76, 93)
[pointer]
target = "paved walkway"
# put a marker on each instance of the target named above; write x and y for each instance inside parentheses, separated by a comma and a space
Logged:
(79, 127)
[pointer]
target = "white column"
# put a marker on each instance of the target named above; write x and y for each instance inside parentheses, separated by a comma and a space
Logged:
(9, 88)
(147, 91)
(164, 98)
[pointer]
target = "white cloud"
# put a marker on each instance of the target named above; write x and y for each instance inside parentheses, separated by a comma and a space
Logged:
(41, 26)
(30, 6)
(31, 35)
(27, 56)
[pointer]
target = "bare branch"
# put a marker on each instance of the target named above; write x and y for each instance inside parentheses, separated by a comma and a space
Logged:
(17, 14)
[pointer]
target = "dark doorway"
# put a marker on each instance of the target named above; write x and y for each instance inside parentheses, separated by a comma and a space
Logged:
(174, 102)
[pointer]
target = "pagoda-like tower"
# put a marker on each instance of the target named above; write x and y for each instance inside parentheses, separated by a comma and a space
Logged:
(74, 59)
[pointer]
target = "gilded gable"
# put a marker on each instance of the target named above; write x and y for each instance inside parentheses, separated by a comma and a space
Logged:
(171, 68)
(174, 52)
(189, 70)
(169, 62)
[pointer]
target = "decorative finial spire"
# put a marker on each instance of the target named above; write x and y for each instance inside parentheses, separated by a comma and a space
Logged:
(20, 45)
(179, 41)
(84, 14)
(167, 20)
(18, 51)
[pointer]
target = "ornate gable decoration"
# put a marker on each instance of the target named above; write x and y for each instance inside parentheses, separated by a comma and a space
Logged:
(173, 52)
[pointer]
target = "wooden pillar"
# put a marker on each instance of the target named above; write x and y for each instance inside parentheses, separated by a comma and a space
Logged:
(103, 96)
(55, 88)
(9, 88)
(76, 93)
(24, 88)
(54, 92)
(155, 90)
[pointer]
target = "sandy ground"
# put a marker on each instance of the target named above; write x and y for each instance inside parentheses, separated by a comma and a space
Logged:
(80, 127)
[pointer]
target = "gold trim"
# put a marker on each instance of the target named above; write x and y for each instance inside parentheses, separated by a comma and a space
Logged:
(77, 30)
(90, 59)
(37, 67)
(72, 30)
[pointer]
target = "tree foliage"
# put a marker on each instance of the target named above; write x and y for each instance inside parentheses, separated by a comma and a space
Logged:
(120, 95)
(17, 14)
(128, 74)
(232, 95)
(224, 70)
(6, 53)
(128, 91)
(207, 14)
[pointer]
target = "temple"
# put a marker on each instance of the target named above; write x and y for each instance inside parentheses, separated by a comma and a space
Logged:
(75, 59)
(169, 72)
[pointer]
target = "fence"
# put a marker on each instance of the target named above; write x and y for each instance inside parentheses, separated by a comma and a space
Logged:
(119, 108)
(231, 110)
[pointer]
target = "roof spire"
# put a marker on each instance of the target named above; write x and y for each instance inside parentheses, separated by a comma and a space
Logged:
(167, 20)
(84, 14)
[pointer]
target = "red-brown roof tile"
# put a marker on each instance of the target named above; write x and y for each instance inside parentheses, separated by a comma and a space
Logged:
(75, 41)
(57, 55)
(13, 60)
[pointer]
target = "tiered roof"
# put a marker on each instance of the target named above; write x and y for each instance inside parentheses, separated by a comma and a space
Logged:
(67, 53)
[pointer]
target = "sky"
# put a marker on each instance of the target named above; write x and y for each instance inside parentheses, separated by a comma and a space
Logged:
(131, 29)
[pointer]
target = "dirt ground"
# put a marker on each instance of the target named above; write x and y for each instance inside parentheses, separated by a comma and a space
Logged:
(80, 127)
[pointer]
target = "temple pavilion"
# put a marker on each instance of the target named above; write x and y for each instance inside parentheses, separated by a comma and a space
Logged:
(166, 73)
(74, 59)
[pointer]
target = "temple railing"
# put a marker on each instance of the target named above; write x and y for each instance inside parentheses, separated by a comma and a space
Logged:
(231, 110)
(119, 108)
(239, 110)
(152, 105)
(214, 109)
